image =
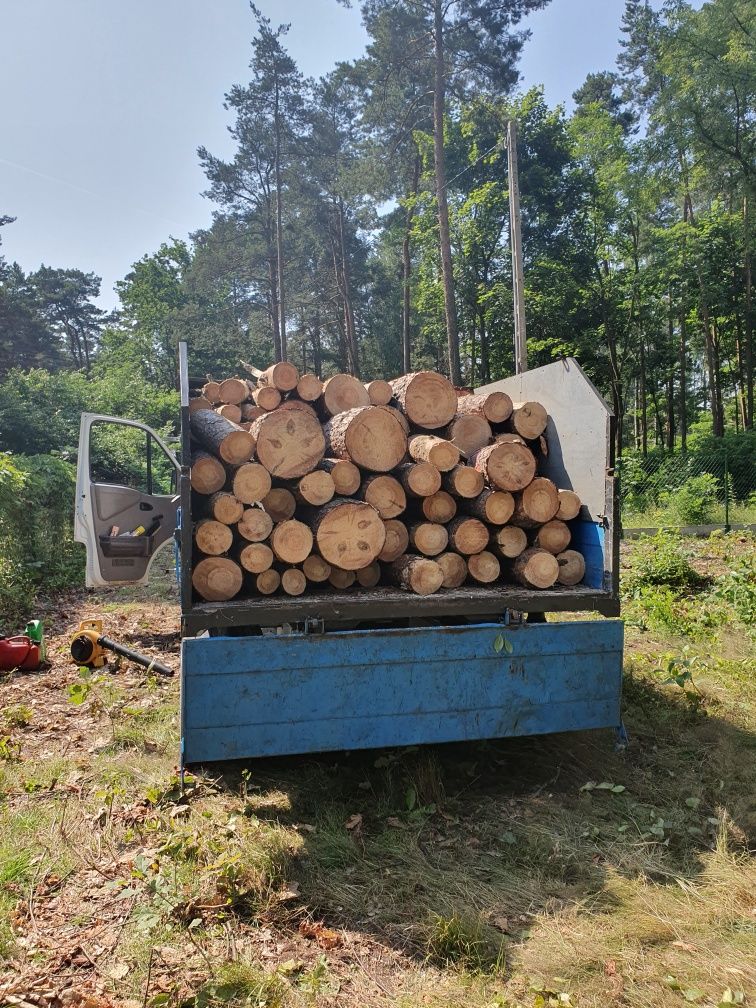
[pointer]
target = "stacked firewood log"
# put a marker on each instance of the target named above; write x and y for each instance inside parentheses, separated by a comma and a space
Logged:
(300, 485)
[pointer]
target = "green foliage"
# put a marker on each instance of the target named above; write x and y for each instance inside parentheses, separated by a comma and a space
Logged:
(661, 560)
(738, 588)
(694, 502)
(462, 943)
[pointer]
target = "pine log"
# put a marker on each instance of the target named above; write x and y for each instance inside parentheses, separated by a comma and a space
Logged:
(346, 476)
(571, 567)
(428, 448)
(496, 407)
(297, 404)
(454, 567)
(528, 419)
(536, 505)
(369, 576)
(397, 540)
(255, 525)
(554, 536)
(290, 443)
(199, 402)
(463, 481)
(379, 392)
(251, 412)
(316, 569)
(217, 579)
(535, 568)
(280, 504)
(426, 398)
(507, 466)
(400, 417)
(211, 391)
(341, 579)
(508, 541)
(293, 581)
(225, 507)
(230, 412)
(251, 482)
(349, 534)
(483, 567)
(212, 537)
(344, 392)
(419, 479)
(508, 437)
(385, 494)
(291, 541)
(428, 538)
(282, 376)
(309, 388)
(494, 506)
(268, 581)
(232, 391)
(416, 574)
(439, 507)
(206, 474)
(369, 436)
(468, 433)
(467, 535)
(315, 488)
(569, 505)
(254, 557)
(221, 437)
(267, 398)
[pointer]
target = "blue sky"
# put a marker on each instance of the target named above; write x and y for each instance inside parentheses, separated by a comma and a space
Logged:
(106, 101)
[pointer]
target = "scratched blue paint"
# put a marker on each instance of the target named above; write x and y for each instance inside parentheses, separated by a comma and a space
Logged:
(272, 695)
(588, 539)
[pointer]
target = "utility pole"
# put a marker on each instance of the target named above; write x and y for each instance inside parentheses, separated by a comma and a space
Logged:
(520, 341)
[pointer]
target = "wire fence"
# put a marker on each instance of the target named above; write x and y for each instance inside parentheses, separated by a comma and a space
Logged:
(711, 485)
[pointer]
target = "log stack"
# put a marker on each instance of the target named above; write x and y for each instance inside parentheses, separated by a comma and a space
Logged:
(306, 485)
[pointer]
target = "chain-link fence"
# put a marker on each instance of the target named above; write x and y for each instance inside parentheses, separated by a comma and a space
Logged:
(710, 485)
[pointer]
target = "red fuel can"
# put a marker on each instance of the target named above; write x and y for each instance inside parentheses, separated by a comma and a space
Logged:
(19, 653)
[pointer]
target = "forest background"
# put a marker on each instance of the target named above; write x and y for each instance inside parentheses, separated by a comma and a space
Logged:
(362, 225)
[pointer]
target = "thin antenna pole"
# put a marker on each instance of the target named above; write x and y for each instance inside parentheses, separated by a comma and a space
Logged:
(520, 339)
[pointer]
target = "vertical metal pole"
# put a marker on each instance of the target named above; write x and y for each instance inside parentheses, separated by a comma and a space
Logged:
(520, 341)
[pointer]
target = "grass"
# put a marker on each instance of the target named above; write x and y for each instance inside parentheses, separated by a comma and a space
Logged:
(523, 872)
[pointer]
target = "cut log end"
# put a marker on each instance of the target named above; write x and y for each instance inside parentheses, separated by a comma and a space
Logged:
(207, 474)
(483, 567)
(217, 579)
(417, 574)
(309, 388)
(463, 481)
(291, 541)
(293, 581)
(346, 476)
(349, 534)
(290, 443)
(428, 399)
(428, 448)
(536, 568)
(379, 392)
(509, 541)
(251, 482)
(344, 392)
(469, 433)
(385, 494)
(255, 525)
(282, 376)
(468, 535)
(506, 465)
(454, 568)
(397, 540)
(554, 536)
(255, 557)
(316, 569)
(439, 507)
(429, 538)
(371, 437)
(315, 488)
(529, 420)
(537, 504)
(212, 537)
(280, 504)
(268, 582)
(569, 505)
(420, 479)
(571, 568)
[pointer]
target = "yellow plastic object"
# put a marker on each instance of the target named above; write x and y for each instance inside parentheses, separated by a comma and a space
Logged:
(85, 646)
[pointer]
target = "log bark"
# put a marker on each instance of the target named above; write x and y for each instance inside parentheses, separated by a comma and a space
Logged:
(344, 392)
(346, 476)
(315, 488)
(268, 582)
(341, 579)
(293, 581)
(369, 436)
(463, 481)
(211, 392)
(379, 392)
(385, 494)
(428, 538)
(316, 569)
(230, 412)
(496, 407)
(251, 412)
(254, 557)
(571, 567)
(221, 437)
(267, 398)
(232, 391)
(416, 574)
(483, 567)
(454, 567)
(397, 540)
(297, 404)
(508, 541)
(280, 504)
(255, 525)
(535, 568)
(569, 505)
(467, 535)
(537, 504)
(290, 443)
(554, 537)
(349, 534)
(494, 506)
(528, 420)
(428, 448)
(309, 388)
(206, 474)
(419, 479)
(251, 482)
(212, 537)
(426, 398)
(225, 507)
(217, 579)
(291, 541)
(369, 576)
(282, 376)
(439, 507)
(468, 433)
(199, 402)
(507, 466)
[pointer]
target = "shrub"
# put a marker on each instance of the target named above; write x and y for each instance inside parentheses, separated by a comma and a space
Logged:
(660, 560)
(694, 502)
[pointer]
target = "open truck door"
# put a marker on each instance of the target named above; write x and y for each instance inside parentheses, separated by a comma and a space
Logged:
(126, 499)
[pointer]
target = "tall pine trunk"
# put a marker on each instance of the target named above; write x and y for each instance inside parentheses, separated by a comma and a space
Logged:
(407, 273)
(683, 384)
(279, 229)
(748, 341)
(349, 326)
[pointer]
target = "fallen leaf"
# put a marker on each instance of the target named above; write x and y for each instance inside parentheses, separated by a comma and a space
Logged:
(610, 967)
(354, 822)
(325, 937)
(119, 971)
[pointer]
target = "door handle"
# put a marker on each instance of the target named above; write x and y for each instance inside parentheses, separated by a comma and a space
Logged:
(144, 506)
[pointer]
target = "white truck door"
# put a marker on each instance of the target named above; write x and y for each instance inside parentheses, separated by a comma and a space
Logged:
(126, 499)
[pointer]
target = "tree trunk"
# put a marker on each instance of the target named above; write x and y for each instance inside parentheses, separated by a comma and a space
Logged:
(683, 408)
(407, 273)
(643, 405)
(748, 342)
(351, 334)
(279, 228)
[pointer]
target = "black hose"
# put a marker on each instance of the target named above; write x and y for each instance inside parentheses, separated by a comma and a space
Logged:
(135, 656)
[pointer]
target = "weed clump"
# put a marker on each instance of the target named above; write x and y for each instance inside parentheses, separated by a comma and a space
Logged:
(462, 943)
(661, 560)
